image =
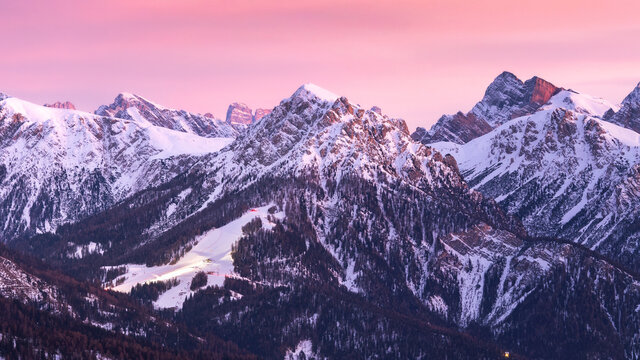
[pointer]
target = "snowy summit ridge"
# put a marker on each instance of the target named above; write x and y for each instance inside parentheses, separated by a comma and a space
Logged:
(313, 90)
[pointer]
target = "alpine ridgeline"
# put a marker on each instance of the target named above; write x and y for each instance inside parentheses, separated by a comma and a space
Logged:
(59, 165)
(326, 228)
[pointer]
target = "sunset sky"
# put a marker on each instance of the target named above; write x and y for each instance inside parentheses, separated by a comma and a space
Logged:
(415, 59)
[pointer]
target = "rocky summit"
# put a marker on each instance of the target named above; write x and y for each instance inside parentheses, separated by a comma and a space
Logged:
(507, 97)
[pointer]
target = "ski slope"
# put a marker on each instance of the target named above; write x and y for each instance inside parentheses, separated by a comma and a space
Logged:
(211, 254)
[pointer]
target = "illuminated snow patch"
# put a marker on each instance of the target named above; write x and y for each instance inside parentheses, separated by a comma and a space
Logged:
(211, 254)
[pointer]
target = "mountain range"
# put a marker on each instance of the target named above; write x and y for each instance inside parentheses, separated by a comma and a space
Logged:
(324, 229)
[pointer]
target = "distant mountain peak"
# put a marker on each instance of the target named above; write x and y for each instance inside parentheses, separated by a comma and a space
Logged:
(508, 97)
(505, 98)
(308, 127)
(241, 114)
(61, 105)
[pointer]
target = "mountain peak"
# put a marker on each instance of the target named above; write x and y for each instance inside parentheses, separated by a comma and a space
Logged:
(311, 90)
(127, 98)
(239, 113)
(507, 75)
(502, 83)
(506, 98)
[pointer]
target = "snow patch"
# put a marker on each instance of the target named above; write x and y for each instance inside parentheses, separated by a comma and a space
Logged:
(316, 91)
(211, 254)
(304, 346)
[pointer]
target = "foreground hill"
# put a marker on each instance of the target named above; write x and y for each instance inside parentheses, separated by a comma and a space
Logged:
(48, 315)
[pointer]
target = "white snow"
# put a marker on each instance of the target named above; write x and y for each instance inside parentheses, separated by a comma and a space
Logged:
(581, 103)
(90, 248)
(175, 143)
(438, 305)
(211, 254)
(625, 136)
(134, 97)
(319, 92)
(304, 346)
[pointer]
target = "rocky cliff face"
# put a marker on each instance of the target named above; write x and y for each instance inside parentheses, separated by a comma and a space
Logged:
(507, 97)
(458, 128)
(136, 108)
(241, 114)
(515, 287)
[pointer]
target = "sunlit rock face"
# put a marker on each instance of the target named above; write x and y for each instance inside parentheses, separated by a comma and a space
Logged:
(239, 113)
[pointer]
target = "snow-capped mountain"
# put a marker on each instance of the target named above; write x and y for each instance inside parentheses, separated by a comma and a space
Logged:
(136, 108)
(507, 97)
(340, 223)
(564, 171)
(59, 165)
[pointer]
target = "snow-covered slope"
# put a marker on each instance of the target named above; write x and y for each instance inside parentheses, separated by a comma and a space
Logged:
(136, 108)
(563, 170)
(59, 165)
(211, 254)
(17, 284)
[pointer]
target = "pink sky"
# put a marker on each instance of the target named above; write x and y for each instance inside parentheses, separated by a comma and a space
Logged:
(415, 59)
